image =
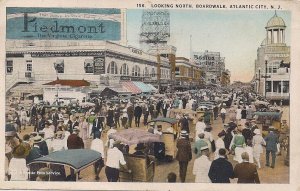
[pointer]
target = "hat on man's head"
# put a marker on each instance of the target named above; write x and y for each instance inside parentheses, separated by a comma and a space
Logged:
(256, 131)
(37, 139)
(271, 128)
(203, 148)
(184, 133)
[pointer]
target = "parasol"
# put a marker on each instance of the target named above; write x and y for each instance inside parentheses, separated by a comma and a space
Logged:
(134, 136)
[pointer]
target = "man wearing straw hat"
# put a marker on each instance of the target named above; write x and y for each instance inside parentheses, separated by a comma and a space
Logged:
(184, 153)
(201, 166)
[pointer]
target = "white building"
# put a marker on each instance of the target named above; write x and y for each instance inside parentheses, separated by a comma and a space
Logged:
(99, 62)
(272, 66)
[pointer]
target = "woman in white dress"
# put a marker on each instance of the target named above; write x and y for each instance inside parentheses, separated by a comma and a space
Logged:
(238, 115)
(257, 142)
(180, 106)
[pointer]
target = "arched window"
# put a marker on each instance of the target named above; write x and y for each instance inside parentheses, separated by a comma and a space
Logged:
(153, 72)
(124, 70)
(146, 72)
(112, 68)
(136, 71)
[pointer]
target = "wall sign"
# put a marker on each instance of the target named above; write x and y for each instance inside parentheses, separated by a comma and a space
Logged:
(63, 24)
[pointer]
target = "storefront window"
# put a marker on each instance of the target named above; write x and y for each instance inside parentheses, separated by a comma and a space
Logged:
(153, 72)
(286, 86)
(124, 70)
(136, 71)
(112, 68)
(146, 72)
(9, 66)
(89, 66)
(59, 66)
(268, 86)
(277, 86)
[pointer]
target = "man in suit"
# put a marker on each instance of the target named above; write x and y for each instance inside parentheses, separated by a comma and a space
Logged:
(40, 123)
(137, 115)
(221, 169)
(97, 127)
(185, 123)
(246, 172)
(72, 123)
(165, 108)
(271, 146)
(33, 114)
(145, 113)
(184, 154)
(151, 110)
(75, 142)
(130, 112)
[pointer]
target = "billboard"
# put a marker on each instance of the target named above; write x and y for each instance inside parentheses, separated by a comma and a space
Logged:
(63, 24)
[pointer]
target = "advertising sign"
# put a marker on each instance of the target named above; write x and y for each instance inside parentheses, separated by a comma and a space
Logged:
(63, 24)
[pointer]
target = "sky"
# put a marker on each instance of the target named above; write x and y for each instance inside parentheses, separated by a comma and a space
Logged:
(236, 34)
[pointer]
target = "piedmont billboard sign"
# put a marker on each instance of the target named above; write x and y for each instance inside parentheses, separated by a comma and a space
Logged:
(63, 24)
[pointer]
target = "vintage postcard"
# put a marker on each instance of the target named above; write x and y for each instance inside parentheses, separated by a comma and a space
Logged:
(149, 95)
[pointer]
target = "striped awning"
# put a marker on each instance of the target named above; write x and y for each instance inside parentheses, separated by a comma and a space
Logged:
(131, 87)
(143, 87)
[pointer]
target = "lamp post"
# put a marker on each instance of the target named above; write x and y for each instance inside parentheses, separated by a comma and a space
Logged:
(258, 89)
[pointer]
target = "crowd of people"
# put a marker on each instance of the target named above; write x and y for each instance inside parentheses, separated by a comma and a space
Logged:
(77, 127)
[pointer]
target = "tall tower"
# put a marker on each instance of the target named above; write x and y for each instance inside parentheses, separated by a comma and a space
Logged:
(275, 31)
(155, 29)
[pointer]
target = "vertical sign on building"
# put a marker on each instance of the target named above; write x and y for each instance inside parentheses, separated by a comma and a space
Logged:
(99, 65)
(63, 24)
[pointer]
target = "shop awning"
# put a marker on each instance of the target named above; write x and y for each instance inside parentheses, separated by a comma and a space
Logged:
(143, 87)
(113, 91)
(131, 87)
(152, 87)
(71, 83)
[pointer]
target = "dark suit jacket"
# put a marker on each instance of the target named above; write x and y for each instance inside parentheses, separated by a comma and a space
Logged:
(97, 125)
(130, 111)
(184, 153)
(246, 173)
(220, 171)
(185, 124)
(75, 142)
(138, 111)
(271, 142)
(71, 125)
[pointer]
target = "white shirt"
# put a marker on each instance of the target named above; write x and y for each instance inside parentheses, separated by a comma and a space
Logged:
(201, 169)
(115, 158)
(200, 126)
(58, 145)
(97, 145)
(111, 131)
(249, 150)
(223, 110)
(17, 169)
(67, 134)
(48, 132)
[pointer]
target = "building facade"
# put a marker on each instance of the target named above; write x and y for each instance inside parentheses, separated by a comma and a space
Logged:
(212, 64)
(187, 74)
(99, 62)
(272, 66)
